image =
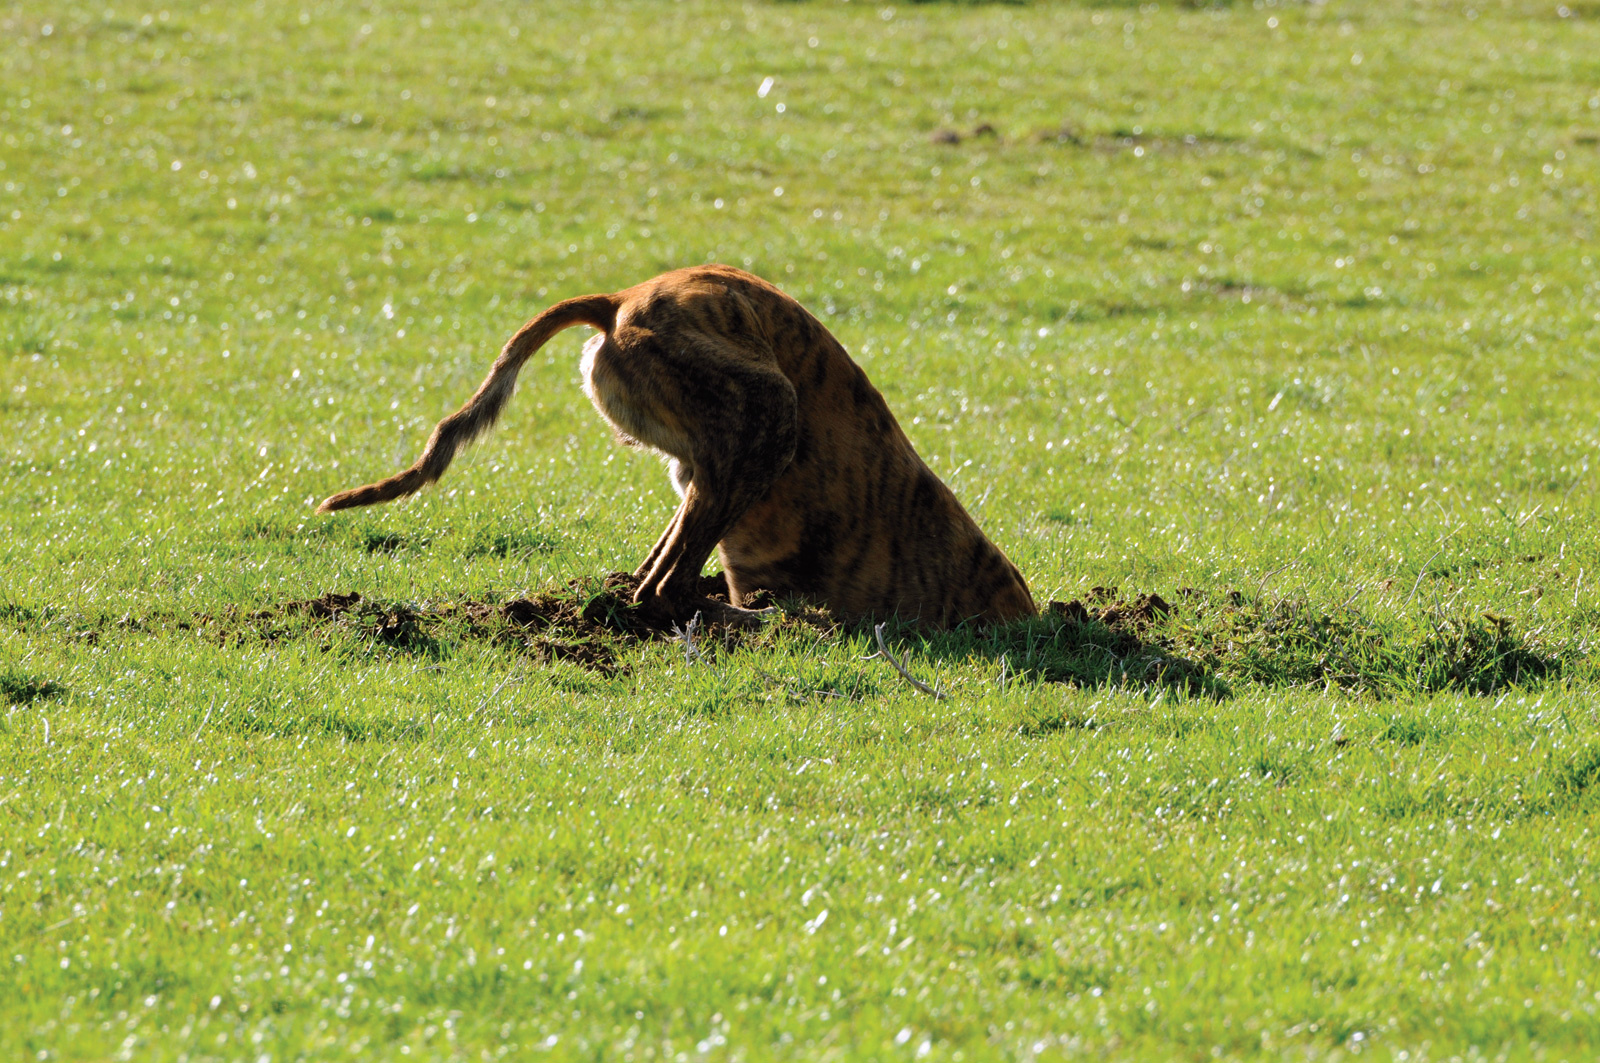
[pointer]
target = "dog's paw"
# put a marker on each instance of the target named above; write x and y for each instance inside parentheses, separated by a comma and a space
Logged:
(664, 614)
(715, 612)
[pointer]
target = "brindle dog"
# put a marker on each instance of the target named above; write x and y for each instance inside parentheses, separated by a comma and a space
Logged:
(787, 459)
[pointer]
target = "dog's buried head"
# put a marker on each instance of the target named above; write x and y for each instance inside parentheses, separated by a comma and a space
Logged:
(787, 459)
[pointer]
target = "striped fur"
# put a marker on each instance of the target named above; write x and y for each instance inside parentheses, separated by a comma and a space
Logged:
(788, 462)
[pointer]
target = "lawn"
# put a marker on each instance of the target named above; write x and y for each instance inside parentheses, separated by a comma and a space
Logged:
(1261, 337)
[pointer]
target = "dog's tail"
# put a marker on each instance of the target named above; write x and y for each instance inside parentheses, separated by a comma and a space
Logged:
(478, 413)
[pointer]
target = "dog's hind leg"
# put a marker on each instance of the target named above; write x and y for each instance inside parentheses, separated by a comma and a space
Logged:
(709, 509)
(743, 445)
(742, 458)
(727, 417)
(650, 559)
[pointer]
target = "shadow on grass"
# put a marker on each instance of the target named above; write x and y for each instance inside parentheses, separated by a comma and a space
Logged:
(20, 688)
(1100, 640)
(1200, 644)
(1205, 645)
(1291, 642)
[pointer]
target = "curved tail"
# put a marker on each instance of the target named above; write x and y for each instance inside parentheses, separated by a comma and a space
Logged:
(478, 413)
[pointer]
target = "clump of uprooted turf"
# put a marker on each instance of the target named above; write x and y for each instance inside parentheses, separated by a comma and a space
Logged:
(1206, 640)
(588, 622)
(1207, 643)
(1201, 643)
(1292, 642)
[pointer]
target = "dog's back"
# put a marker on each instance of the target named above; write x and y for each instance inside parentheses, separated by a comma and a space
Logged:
(788, 460)
(856, 520)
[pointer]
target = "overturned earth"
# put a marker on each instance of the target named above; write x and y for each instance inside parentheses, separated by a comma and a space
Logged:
(1201, 642)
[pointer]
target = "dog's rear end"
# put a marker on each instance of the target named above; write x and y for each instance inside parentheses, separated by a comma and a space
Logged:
(788, 460)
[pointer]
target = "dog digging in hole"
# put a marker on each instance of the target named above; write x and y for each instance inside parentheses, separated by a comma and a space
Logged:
(786, 459)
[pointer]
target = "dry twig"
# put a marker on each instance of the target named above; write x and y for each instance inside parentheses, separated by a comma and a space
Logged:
(685, 634)
(883, 650)
(484, 704)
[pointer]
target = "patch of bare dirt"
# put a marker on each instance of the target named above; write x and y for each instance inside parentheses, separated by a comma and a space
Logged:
(1197, 640)
(950, 136)
(1103, 606)
(585, 623)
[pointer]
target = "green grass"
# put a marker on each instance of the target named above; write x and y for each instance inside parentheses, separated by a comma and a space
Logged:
(1284, 314)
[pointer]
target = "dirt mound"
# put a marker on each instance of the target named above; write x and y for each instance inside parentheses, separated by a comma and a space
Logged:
(586, 622)
(1104, 607)
(580, 606)
(329, 605)
(1200, 641)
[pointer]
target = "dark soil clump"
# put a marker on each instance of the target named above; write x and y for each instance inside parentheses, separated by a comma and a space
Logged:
(1202, 642)
(1104, 607)
(585, 623)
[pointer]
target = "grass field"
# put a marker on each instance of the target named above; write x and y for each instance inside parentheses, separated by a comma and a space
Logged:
(1285, 314)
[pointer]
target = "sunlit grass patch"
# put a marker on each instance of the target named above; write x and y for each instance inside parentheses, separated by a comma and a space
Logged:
(1275, 319)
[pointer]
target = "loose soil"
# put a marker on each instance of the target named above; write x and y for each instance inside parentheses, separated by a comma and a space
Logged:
(1199, 642)
(583, 623)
